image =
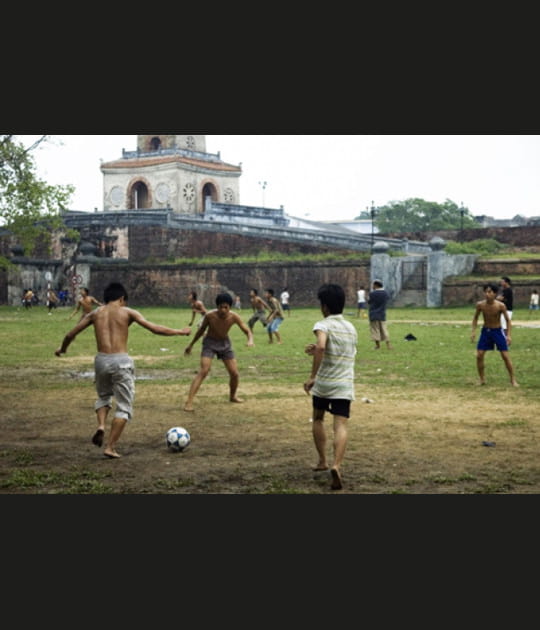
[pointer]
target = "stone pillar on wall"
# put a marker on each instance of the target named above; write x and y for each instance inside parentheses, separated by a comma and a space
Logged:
(435, 271)
(386, 269)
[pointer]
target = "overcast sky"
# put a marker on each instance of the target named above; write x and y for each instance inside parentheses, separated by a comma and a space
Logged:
(335, 177)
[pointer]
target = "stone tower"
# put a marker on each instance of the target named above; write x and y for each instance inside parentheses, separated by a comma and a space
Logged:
(169, 172)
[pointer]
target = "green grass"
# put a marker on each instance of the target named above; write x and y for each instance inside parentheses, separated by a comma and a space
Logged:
(422, 435)
(442, 355)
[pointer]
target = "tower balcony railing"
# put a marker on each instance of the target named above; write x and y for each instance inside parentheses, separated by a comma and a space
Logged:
(209, 157)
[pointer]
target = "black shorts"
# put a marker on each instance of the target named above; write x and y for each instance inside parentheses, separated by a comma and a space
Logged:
(335, 406)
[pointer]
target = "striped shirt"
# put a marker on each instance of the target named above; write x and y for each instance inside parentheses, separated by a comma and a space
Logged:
(335, 377)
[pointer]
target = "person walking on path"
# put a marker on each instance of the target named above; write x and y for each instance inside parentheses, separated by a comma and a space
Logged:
(506, 296)
(114, 368)
(361, 303)
(216, 343)
(492, 334)
(331, 382)
(285, 299)
(377, 301)
(533, 302)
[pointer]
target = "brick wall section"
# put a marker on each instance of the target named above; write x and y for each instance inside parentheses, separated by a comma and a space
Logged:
(169, 285)
(157, 243)
(522, 236)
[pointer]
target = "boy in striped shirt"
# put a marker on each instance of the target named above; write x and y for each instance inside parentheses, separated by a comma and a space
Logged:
(331, 382)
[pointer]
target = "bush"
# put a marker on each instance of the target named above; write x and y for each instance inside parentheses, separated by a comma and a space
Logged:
(481, 247)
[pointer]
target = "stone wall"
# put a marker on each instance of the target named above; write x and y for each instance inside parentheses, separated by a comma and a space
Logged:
(169, 285)
(156, 243)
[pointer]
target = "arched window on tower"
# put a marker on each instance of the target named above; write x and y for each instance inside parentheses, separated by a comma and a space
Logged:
(139, 197)
(155, 144)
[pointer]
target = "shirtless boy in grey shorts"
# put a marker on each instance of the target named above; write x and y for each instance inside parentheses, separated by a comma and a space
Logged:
(115, 373)
(216, 324)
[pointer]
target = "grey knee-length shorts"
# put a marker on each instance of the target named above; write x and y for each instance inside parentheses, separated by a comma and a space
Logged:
(115, 377)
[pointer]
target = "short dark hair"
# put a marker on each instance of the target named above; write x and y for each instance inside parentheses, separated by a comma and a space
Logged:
(492, 286)
(224, 298)
(271, 291)
(506, 279)
(333, 297)
(114, 291)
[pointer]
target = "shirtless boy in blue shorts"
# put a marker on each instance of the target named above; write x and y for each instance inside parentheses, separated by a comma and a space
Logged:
(114, 368)
(492, 334)
(216, 343)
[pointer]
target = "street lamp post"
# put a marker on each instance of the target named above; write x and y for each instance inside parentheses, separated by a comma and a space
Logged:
(263, 185)
(372, 213)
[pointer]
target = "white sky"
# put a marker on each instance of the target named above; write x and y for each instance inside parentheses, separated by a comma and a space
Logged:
(335, 177)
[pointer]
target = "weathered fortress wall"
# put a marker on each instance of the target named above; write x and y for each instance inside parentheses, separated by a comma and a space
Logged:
(151, 280)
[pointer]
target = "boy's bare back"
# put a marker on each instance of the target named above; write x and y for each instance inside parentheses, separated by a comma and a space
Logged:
(111, 325)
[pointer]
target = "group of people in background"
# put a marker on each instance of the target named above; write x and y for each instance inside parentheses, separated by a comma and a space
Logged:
(53, 298)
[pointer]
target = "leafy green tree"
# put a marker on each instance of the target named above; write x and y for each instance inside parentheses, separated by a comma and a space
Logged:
(29, 207)
(418, 215)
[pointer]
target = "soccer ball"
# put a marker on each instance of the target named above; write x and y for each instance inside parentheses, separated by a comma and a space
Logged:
(178, 439)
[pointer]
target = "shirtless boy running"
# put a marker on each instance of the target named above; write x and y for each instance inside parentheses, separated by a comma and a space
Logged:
(85, 302)
(114, 368)
(492, 334)
(196, 307)
(216, 343)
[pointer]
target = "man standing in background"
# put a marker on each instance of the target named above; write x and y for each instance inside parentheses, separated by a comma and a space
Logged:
(377, 300)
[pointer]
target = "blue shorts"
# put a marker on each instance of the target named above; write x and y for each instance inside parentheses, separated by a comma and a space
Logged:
(274, 325)
(491, 338)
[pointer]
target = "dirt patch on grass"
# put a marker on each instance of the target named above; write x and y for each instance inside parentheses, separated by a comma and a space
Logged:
(428, 441)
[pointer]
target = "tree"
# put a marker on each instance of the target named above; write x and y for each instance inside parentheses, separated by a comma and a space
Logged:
(418, 215)
(29, 207)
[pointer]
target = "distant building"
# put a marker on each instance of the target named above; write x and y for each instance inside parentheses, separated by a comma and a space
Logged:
(169, 172)
(518, 221)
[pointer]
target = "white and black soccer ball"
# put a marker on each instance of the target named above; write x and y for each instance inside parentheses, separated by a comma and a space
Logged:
(178, 439)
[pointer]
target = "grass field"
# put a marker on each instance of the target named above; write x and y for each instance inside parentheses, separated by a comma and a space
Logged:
(423, 432)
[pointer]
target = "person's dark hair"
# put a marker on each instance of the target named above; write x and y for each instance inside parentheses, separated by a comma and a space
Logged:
(193, 294)
(492, 286)
(378, 284)
(271, 291)
(254, 290)
(333, 297)
(506, 279)
(114, 291)
(224, 298)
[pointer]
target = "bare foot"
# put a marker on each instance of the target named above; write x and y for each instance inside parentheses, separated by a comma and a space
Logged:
(336, 479)
(514, 383)
(481, 382)
(320, 468)
(111, 454)
(97, 438)
(188, 407)
(236, 400)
